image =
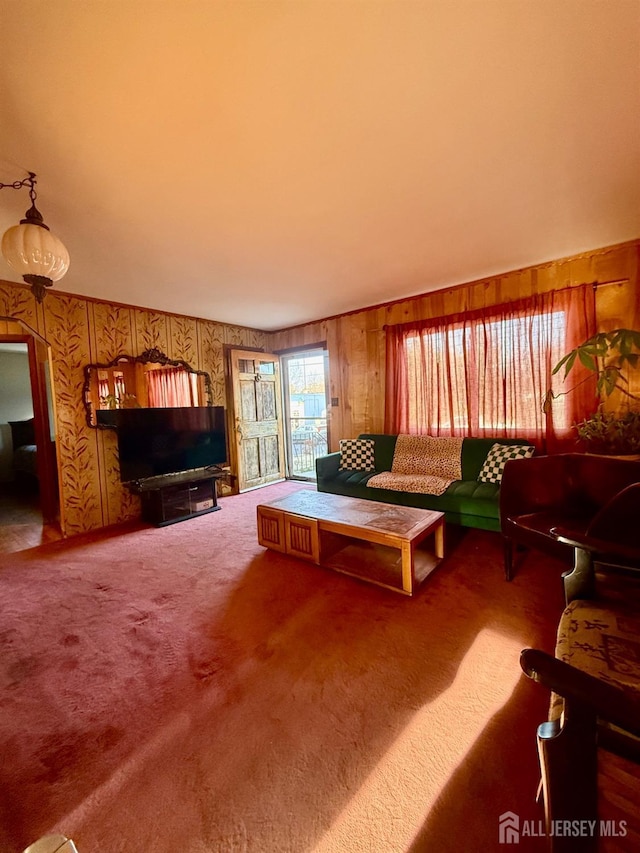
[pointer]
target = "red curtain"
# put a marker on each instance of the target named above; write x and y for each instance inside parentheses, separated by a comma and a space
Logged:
(170, 387)
(485, 372)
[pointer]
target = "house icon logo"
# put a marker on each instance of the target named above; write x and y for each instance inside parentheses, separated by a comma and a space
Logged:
(509, 828)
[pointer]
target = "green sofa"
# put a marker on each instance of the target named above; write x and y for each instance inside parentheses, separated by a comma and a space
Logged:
(466, 502)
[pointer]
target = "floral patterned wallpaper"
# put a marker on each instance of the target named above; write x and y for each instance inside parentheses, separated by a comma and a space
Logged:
(82, 331)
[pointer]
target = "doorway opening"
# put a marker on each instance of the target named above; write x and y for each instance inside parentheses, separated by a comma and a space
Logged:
(305, 381)
(29, 495)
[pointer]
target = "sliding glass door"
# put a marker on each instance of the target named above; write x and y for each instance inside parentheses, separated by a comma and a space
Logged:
(306, 404)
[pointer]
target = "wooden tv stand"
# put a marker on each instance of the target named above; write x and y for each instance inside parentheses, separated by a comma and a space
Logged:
(176, 497)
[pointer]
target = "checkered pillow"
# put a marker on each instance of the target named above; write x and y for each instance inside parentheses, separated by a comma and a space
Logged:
(356, 454)
(497, 458)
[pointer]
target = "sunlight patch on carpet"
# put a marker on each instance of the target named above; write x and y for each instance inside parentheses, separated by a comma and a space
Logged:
(391, 806)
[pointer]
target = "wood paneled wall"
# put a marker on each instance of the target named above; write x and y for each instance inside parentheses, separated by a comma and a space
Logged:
(356, 343)
(82, 331)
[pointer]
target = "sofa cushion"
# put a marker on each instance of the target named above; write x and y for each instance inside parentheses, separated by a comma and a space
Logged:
(498, 457)
(357, 454)
(353, 478)
(469, 497)
(475, 450)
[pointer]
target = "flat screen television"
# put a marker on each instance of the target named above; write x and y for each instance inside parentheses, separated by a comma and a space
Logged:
(152, 442)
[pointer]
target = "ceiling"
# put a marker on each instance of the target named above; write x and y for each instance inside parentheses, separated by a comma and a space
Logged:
(274, 162)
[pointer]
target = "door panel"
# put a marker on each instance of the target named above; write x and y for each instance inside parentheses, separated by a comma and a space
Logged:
(251, 456)
(257, 446)
(267, 400)
(248, 403)
(270, 455)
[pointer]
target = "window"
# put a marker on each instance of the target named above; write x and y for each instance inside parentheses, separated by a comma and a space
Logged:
(486, 372)
(503, 366)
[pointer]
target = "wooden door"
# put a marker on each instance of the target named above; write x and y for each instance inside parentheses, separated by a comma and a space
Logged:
(44, 418)
(256, 442)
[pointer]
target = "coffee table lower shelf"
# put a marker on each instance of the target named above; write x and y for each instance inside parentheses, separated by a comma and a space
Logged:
(380, 564)
(364, 552)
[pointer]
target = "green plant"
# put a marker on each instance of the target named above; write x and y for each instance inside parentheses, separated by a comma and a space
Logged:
(610, 356)
(607, 355)
(609, 432)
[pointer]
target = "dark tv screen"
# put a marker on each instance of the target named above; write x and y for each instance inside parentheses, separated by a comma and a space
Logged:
(152, 442)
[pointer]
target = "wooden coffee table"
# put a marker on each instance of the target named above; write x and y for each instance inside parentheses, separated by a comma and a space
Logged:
(377, 542)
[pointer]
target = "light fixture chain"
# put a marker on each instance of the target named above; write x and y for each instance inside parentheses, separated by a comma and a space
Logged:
(25, 182)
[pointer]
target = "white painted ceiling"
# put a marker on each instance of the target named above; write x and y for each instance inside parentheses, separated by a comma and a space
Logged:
(273, 162)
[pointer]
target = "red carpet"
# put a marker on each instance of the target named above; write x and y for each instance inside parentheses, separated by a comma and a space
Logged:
(182, 689)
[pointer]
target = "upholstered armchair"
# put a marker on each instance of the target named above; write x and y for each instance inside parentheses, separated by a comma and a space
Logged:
(547, 502)
(589, 748)
(589, 754)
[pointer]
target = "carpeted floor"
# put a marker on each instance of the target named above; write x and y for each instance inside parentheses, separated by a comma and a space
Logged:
(182, 689)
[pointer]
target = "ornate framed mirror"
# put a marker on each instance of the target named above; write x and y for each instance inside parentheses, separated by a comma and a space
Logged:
(143, 381)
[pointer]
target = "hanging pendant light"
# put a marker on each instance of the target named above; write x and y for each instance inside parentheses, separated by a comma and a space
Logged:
(31, 249)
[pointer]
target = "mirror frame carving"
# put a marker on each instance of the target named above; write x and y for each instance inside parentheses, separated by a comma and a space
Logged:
(150, 356)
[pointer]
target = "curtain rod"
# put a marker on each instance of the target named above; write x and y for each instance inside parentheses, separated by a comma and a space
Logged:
(597, 284)
(594, 284)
